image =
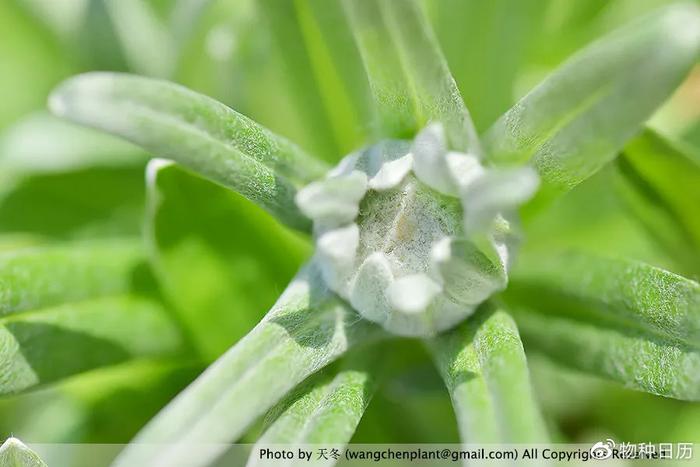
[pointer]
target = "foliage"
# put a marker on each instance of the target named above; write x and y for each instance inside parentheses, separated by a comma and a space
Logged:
(111, 284)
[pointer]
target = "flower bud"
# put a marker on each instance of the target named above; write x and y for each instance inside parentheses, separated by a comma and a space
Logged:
(413, 235)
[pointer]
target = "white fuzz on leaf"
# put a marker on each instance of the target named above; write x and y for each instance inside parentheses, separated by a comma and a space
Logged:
(413, 235)
(15, 453)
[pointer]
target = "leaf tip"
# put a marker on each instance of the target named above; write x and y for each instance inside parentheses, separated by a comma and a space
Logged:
(154, 166)
(14, 452)
(63, 98)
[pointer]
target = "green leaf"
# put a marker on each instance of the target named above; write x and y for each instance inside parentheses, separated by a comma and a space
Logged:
(407, 72)
(62, 18)
(79, 182)
(96, 43)
(410, 390)
(484, 367)
(172, 122)
(207, 263)
(591, 218)
(117, 401)
(635, 295)
(41, 143)
(88, 203)
(144, 38)
(578, 119)
(326, 412)
(221, 56)
(184, 16)
(324, 70)
(485, 44)
(106, 405)
(52, 343)
(630, 356)
(32, 62)
(660, 182)
(308, 328)
(47, 276)
(14, 453)
(152, 36)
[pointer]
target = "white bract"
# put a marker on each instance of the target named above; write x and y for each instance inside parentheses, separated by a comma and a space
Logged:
(413, 235)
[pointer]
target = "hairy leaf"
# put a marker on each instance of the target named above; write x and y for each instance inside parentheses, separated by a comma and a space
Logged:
(52, 343)
(307, 329)
(41, 143)
(660, 182)
(484, 367)
(172, 122)
(631, 356)
(577, 120)
(634, 294)
(46, 276)
(210, 248)
(14, 453)
(105, 405)
(324, 412)
(407, 72)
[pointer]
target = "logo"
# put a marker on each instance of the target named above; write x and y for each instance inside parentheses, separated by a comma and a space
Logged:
(603, 450)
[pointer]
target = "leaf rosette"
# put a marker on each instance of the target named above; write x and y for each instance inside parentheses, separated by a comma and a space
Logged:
(415, 236)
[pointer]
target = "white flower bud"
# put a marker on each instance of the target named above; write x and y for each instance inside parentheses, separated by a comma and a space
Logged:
(414, 236)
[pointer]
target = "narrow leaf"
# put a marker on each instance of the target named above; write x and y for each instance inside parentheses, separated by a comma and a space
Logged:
(408, 74)
(172, 122)
(307, 329)
(578, 119)
(41, 143)
(208, 263)
(32, 62)
(485, 44)
(125, 395)
(181, 21)
(144, 38)
(14, 453)
(79, 337)
(660, 182)
(484, 368)
(303, 84)
(46, 276)
(62, 18)
(97, 43)
(634, 358)
(79, 182)
(633, 294)
(324, 68)
(590, 218)
(88, 203)
(326, 412)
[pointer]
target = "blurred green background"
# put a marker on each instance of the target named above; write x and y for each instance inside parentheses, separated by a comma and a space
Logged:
(59, 183)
